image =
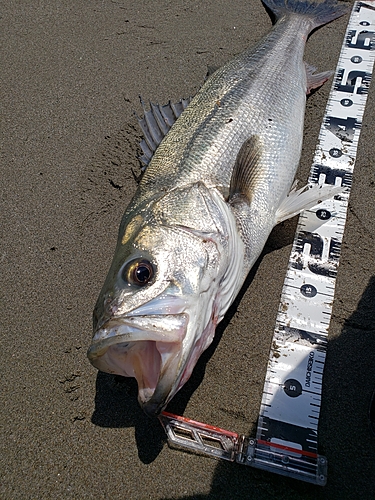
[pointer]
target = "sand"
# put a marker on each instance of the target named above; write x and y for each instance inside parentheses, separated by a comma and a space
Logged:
(71, 75)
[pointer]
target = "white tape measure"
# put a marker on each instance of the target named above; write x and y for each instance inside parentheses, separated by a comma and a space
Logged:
(287, 434)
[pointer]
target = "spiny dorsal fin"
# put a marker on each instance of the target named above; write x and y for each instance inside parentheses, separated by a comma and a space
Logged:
(156, 123)
(210, 71)
(245, 172)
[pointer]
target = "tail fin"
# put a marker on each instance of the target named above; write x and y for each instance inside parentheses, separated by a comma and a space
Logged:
(319, 12)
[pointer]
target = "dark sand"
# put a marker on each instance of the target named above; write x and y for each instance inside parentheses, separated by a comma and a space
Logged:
(72, 72)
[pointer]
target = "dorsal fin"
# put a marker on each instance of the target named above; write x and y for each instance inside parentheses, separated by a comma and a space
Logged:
(155, 125)
(315, 80)
(210, 71)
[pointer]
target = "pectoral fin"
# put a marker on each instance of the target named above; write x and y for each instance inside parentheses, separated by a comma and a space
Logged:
(304, 199)
(246, 172)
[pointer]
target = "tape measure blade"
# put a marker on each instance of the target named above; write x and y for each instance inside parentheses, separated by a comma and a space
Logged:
(290, 407)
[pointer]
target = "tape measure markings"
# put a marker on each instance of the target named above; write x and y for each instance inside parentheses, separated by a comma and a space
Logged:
(297, 356)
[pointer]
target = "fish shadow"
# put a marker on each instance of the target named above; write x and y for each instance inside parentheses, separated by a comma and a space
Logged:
(116, 406)
(116, 402)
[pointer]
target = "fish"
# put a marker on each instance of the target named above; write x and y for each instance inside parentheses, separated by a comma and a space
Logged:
(220, 175)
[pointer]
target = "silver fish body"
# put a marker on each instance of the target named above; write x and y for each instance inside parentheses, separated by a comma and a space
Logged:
(213, 191)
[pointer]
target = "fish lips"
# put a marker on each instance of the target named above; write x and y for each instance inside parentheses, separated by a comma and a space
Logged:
(149, 348)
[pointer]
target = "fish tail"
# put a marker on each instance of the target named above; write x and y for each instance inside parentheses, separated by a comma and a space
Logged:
(319, 12)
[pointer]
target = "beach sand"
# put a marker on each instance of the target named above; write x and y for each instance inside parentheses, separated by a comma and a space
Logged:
(72, 72)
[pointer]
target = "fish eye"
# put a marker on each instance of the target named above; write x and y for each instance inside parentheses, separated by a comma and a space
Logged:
(138, 272)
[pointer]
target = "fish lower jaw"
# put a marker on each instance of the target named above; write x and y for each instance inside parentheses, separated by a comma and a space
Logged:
(146, 347)
(145, 394)
(154, 364)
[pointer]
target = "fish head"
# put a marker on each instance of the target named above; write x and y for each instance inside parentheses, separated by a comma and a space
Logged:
(158, 308)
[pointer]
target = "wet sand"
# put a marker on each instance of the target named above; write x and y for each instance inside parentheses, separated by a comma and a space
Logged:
(72, 72)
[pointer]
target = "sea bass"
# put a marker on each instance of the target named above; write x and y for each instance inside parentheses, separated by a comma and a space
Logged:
(220, 180)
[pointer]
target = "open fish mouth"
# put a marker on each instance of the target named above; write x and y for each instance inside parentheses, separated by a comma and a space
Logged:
(148, 348)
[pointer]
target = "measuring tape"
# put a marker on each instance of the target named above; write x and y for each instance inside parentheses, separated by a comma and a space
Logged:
(287, 433)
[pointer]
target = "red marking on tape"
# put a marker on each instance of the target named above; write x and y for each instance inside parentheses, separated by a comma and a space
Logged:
(287, 448)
